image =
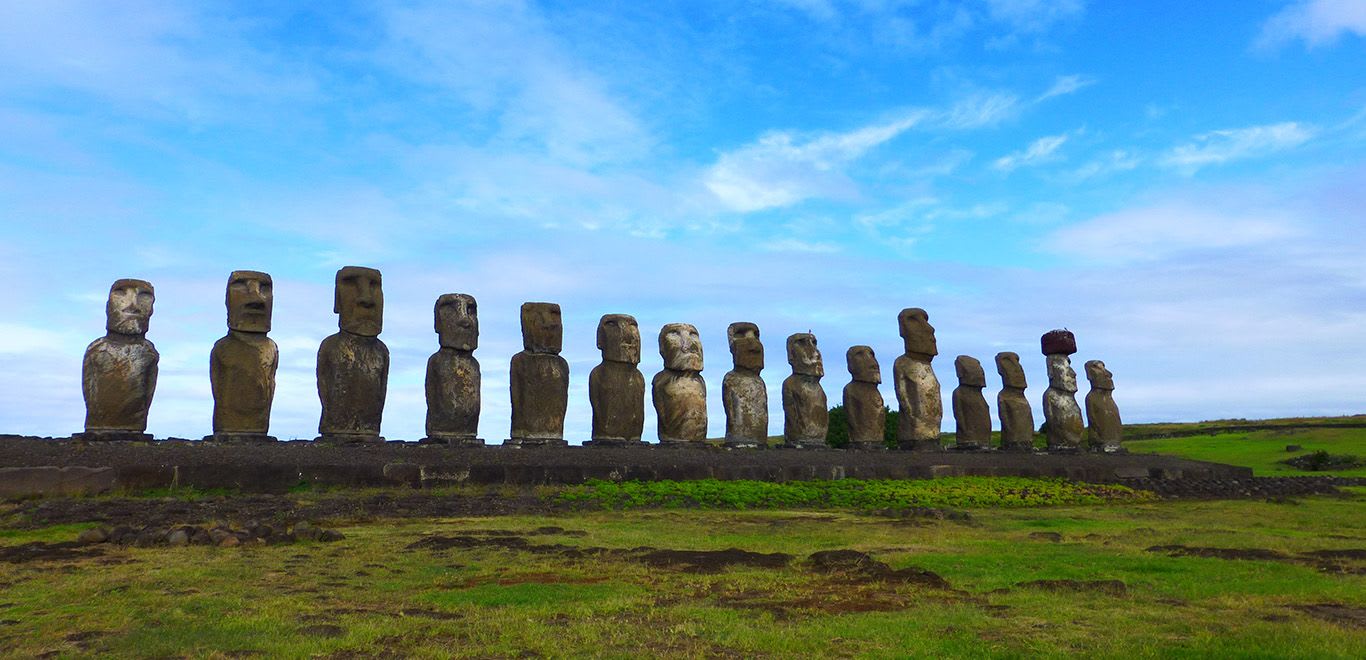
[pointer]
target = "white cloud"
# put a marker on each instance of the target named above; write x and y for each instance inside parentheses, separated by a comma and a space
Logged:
(1158, 232)
(1317, 22)
(1034, 16)
(798, 245)
(1217, 147)
(980, 110)
(1119, 160)
(1065, 85)
(1039, 151)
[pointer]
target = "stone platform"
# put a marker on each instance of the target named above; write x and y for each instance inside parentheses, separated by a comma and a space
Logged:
(36, 467)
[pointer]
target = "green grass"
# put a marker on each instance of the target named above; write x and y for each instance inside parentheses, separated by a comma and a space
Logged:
(1262, 450)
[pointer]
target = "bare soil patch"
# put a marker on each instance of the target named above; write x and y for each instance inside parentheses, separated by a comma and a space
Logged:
(41, 551)
(1343, 615)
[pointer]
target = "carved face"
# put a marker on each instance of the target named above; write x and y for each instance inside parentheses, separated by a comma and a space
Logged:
(250, 299)
(542, 330)
(359, 301)
(457, 321)
(917, 332)
(745, 347)
(129, 310)
(803, 355)
(1060, 373)
(1012, 374)
(619, 338)
(1100, 377)
(681, 347)
(970, 373)
(863, 365)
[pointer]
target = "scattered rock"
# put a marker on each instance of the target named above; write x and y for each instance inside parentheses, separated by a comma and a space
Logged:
(330, 535)
(177, 537)
(93, 536)
(229, 541)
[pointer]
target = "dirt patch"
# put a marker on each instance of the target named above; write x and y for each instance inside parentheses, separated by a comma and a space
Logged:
(1220, 553)
(713, 561)
(1337, 561)
(1111, 587)
(1357, 554)
(859, 567)
(40, 551)
(1343, 615)
(1046, 536)
(323, 630)
(688, 561)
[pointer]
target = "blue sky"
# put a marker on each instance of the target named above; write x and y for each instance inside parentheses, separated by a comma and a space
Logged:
(1181, 184)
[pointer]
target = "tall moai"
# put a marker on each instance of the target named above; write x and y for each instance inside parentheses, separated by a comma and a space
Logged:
(1104, 430)
(353, 365)
(1017, 418)
(971, 415)
(863, 404)
(453, 375)
(243, 363)
(616, 388)
(119, 372)
(917, 388)
(539, 379)
(679, 393)
(805, 417)
(743, 392)
(1060, 409)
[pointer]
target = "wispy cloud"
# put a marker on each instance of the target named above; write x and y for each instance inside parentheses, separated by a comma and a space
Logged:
(1316, 22)
(980, 110)
(1158, 232)
(1218, 147)
(1039, 151)
(1065, 85)
(1118, 160)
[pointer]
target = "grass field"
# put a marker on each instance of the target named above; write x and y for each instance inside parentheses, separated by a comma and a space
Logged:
(1263, 450)
(1116, 576)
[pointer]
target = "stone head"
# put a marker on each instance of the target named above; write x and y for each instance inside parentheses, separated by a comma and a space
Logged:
(1060, 373)
(359, 301)
(619, 338)
(970, 372)
(542, 329)
(1100, 377)
(681, 347)
(745, 347)
(1012, 374)
(457, 321)
(129, 310)
(863, 365)
(250, 299)
(803, 355)
(917, 332)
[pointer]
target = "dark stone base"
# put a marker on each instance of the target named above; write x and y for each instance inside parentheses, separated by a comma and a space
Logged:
(614, 442)
(452, 441)
(241, 438)
(349, 439)
(535, 443)
(1064, 450)
(867, 446)
(806, 444)
(112, 436)
(920, 445)
(744, 444)
(683, 444)
(1017, 449)
(969, 448)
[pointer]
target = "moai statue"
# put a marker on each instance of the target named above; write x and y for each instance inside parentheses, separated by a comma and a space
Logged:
(1060, 409)
(743, 391)
(353, 365)
(917, 388)
(242, 364)
(679, 393)
(453, 375)
(863, 402)
(1104, 430)
(616, 388)
(1017, 419)
(539, 379)
(119, 373)
(805, 417)
(971, 416)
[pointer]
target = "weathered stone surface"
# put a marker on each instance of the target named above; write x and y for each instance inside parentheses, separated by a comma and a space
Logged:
(242, 365)
(1017, 418)
(743, 392)
(119, 372)
(616, 388)
(921, 408)
(453, 375)
(679, 393)
(805, 417)
(1060, 409)
(539, 379)
(353, 365)
(971, 416)
(1104, 430)
(863, 402)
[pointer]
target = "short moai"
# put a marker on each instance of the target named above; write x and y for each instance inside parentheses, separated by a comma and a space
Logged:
(805, 417)
(1104, 430)
(453, 375)
(119, 372)
(539, 379)
(679, 393)
(1017, 418)
(743, 392)
(616, 388)
(353, 365)
(863, 404)
(917, 388)
(1060, 410)
(971, 416)
(242, 364)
